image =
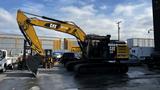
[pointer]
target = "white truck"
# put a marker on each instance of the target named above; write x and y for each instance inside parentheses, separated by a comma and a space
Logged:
(5, 61)
(141, 52)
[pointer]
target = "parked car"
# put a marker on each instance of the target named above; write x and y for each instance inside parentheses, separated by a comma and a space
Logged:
(57, 56)
(67, 56)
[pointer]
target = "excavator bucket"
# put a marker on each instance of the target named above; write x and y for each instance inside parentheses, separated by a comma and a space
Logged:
(33, 62)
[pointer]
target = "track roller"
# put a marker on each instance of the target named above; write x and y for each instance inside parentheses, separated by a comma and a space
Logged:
(100, 68)
(71, 64)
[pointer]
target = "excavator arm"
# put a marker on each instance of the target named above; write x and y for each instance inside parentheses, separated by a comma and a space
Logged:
(29, 33)
(26, 26)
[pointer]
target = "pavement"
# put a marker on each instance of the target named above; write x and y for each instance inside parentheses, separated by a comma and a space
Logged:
(57, 78)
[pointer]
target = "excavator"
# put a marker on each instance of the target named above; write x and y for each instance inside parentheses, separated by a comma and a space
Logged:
(99, 53)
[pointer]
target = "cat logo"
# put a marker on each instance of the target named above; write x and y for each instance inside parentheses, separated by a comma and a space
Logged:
(52, 25)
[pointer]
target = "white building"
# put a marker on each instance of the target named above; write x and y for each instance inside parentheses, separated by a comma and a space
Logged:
(140, 42)
(14, 43)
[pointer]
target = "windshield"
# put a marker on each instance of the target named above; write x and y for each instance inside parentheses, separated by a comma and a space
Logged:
(2, 54)
(57, 55)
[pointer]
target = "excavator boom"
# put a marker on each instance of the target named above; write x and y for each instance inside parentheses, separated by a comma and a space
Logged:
(26, 26)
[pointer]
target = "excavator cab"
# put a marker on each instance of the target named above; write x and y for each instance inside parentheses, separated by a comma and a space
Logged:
(102, 48)
(97, 47)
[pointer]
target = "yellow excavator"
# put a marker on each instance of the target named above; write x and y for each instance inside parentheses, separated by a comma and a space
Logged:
(99, 53)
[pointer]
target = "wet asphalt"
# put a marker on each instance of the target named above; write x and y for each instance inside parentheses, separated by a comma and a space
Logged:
(57, 78)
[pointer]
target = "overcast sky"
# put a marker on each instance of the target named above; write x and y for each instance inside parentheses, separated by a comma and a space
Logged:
(93, 16)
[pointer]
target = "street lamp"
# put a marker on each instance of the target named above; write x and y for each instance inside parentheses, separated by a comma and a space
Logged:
(118, 29)
(150, 30)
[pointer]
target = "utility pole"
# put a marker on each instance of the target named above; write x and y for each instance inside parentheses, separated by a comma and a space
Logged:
(118, 24)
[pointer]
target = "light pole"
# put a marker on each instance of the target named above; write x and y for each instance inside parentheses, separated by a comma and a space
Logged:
(119, 29)
(150, 30)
